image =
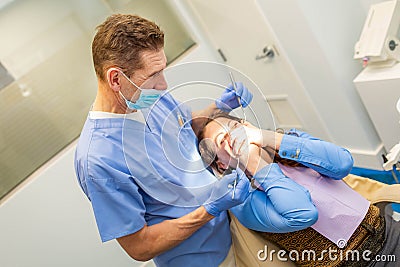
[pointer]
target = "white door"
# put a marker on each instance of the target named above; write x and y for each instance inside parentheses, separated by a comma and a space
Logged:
(241, 32)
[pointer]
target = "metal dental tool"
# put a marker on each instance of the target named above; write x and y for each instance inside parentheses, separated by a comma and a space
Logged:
(234, 188)
(238, 97)
(235, 182)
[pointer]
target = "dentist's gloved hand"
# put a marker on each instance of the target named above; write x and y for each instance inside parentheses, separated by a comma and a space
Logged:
(229, 98)
(221, 196)
(267, 176)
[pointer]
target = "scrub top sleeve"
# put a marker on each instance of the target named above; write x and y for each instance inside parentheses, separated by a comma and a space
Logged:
(326, 158)
(117, 203)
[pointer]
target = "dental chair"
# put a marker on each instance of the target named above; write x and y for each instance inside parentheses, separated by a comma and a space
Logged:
(249, 247)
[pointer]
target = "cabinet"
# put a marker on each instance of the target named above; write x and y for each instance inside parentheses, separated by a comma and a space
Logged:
(379, 89)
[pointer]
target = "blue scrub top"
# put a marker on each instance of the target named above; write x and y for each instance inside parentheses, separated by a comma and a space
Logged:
(135, 173)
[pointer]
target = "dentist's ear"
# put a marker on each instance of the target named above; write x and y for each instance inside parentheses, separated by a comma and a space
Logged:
(114, 79)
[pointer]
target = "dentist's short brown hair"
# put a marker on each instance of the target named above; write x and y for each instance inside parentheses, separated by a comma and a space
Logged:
(120, 41)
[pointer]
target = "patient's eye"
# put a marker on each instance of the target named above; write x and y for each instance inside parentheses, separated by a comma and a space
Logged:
(233, 124)
(220, 139)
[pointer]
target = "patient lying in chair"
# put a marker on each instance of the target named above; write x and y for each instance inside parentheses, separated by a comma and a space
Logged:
(300, 201)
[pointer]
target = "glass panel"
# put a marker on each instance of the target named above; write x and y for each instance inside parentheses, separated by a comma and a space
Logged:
(50, 81)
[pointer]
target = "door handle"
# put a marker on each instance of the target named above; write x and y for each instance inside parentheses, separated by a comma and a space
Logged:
(268, 52)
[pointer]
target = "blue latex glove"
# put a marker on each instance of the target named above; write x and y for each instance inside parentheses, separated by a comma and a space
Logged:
(282, 205)
(221, 197)
(229, 98)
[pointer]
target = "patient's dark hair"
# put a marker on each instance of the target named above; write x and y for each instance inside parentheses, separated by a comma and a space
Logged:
(209, 156)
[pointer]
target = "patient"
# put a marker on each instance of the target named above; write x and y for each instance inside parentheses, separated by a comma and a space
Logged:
(298, 187)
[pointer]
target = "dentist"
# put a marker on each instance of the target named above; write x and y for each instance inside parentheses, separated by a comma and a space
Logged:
(120, 161)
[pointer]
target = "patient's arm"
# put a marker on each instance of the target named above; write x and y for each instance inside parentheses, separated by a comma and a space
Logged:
(326, 158)
(283, 206)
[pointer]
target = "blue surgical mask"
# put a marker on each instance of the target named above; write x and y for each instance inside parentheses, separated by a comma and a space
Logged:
(146, 98)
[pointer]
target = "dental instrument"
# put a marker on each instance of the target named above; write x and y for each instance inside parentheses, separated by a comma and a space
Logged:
(235, 182)
(392, 159)
(235, 89)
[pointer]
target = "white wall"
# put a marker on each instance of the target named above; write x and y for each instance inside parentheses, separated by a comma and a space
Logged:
(318, 37)
(49, 222)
